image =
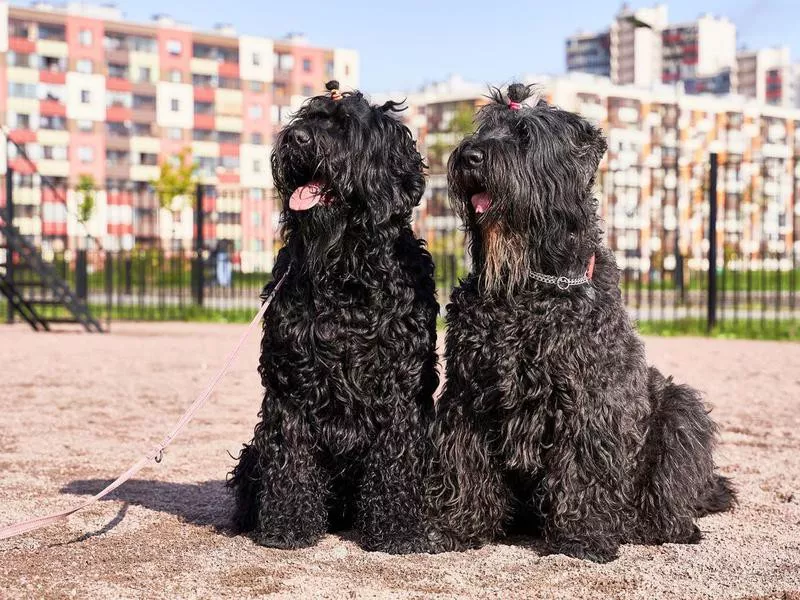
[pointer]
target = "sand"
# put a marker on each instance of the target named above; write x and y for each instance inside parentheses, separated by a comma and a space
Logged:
(76, 410)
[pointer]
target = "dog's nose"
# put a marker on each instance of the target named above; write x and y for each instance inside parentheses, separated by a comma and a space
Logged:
(473, 157)
(300, 136)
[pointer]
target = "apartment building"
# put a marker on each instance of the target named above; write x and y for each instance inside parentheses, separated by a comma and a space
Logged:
(652, 183)
(766, 75)
(86, 92)
(644, 48)
(700, 54)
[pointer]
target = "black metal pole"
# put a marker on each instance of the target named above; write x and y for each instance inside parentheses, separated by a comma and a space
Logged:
(199, 243)
(9, 218)
(712, 243)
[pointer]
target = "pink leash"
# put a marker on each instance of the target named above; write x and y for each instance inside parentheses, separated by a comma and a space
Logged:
(156, 454)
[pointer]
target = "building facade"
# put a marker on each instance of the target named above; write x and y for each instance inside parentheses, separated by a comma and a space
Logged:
(85, 93)
(652, 183)
(642, 48)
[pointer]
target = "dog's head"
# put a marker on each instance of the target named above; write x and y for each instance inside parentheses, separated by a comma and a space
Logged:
(522, 183)
(342, 161)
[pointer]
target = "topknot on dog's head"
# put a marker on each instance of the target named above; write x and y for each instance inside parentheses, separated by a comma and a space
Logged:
(516, 94)
(332, 85)
(519, 92)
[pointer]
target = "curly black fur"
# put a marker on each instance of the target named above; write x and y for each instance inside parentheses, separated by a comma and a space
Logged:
(348, 351)
(551, 420)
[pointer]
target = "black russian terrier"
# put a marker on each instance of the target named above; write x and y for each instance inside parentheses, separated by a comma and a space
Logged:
(348, 355)
(550, 421)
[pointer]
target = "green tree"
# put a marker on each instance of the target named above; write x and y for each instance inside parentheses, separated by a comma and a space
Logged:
(86, 189)
(461, 125)
(176, 185)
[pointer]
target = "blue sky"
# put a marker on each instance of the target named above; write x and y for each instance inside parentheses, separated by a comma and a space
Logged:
(406, 43)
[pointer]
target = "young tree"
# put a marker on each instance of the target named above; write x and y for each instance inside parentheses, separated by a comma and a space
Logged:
(175, 185)
(86, 189)
(461, 125)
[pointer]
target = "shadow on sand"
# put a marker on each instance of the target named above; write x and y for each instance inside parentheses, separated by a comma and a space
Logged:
(207, 503)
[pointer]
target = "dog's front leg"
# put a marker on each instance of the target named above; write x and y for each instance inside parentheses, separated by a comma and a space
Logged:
(587, 494)
(466, 492)
(390, 506)
(291, 509)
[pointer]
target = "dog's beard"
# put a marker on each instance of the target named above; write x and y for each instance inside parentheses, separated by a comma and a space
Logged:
(506, 262)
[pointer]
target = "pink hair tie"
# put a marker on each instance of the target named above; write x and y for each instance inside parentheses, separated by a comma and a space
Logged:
(514, 105)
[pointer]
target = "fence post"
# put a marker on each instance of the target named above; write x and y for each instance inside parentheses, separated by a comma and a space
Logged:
(198, 268)
(712, 244)
(81, 284)
(109, 273)
(9, 218)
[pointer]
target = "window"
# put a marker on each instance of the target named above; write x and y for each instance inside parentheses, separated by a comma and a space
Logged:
(85, 154)
(54, 64)
(52, 32)
(115, 98)
(85, 125)
(54, 152)
(307, 65)
(84, 65)
(199, 80)
(175, 76)
(329, 68)
(229, 162)
(20, 121)
(21, 90)
(285, 62)
(255, 219)
(256, 138)
(278, 89)
(255, 111)
(142, 101)
(117, 129)
(53, 122)
(51, 91)
(174, 47)
(204, 135)
(256, 166)
(143, 75)
(229, 137)
(204, 108)
(175, 133)
(86, 96)
(85, 37)
(256, 86)
(175, 105)
(256, 194)
(147, 158)
(117, 71)
(307, 90)
(16, 59)
(256, 59)
(144, 129)
(347, 70)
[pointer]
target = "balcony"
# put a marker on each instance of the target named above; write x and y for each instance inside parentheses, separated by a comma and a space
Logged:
(52, 108)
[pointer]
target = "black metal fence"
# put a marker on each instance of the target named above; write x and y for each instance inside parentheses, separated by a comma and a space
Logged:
(661, 230)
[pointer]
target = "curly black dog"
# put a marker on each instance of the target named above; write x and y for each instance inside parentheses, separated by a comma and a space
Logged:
(348, 355)
(551, 421)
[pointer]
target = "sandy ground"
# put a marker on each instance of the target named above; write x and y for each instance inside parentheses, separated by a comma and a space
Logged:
(76, 409)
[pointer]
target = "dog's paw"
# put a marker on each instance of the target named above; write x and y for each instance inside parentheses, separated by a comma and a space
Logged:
(283, 542)
(598, 553)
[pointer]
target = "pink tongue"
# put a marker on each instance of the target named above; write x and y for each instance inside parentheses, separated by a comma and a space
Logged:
(481, 202)
(306, 196)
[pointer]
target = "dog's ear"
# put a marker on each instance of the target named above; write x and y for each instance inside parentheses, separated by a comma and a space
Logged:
(592, 144)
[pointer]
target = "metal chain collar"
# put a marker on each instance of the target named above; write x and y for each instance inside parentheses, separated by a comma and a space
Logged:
(562, 283)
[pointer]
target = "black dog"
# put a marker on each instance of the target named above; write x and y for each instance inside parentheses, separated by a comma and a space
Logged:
(550, 420)
(348, 354)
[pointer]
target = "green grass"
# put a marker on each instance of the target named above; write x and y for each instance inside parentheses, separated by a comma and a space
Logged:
(770, 329)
